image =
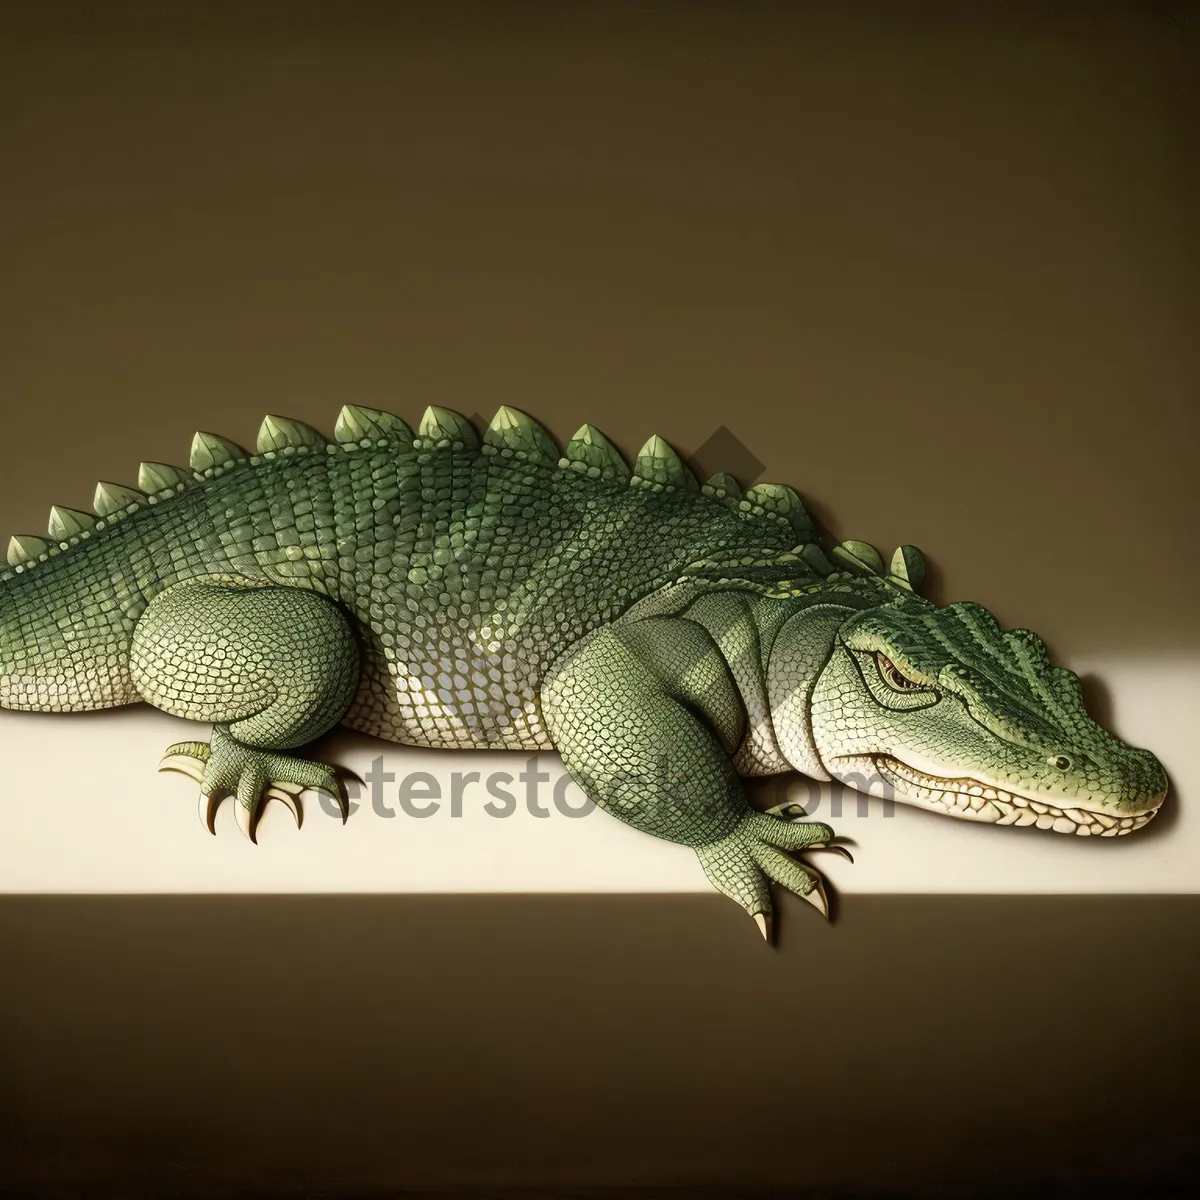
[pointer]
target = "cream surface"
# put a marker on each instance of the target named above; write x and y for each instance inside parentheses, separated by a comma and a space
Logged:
(85, 810)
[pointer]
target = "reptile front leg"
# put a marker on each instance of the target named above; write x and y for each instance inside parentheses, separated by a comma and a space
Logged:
(647, 717)
(271, 668)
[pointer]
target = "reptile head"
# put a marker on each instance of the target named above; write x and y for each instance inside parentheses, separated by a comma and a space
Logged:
(963, 718)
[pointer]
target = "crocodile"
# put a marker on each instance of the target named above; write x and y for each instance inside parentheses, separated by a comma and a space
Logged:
(443, 588)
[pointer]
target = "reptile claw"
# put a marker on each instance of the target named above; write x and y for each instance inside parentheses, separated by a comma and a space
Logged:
(247, 821)
(343, 805)
(208, 810)
(191, 759)
(337, 793)
(251, 784)
(818, 899)
(280, 792)
(832, 850)
(765, 925)
(187, 758)
(184, 766)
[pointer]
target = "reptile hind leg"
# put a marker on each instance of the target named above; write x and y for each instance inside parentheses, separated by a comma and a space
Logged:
(271, 668)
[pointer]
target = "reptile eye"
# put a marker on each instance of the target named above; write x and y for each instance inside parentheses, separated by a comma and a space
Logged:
(893, 676)
(1062, 762)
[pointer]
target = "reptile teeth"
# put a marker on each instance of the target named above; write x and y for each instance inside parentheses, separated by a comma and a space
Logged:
(997, 807)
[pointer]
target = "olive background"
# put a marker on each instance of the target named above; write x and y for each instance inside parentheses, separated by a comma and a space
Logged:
(932, 264)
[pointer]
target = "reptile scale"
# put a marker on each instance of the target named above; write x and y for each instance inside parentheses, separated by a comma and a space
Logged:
(443, 589)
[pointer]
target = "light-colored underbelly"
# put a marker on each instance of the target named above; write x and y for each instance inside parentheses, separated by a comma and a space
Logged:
(469, 706)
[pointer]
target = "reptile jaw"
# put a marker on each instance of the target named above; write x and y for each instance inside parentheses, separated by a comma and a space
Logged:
(975, 801)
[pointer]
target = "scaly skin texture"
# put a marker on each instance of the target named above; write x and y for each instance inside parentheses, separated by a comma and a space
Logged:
(666, 639)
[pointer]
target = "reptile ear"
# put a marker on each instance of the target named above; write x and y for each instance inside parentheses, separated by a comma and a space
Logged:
(590, 453)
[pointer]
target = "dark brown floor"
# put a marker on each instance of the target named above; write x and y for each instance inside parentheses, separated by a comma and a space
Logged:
(361, 1044)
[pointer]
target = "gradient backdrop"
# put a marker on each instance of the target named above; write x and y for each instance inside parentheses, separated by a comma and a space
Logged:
(934, 265)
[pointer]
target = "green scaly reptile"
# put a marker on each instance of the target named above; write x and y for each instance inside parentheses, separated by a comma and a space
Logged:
(666, 638)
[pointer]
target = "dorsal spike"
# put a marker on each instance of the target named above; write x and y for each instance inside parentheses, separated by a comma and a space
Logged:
(780, 501)
(210, 450)
(513, 430)
(112, 498)
(66, 523)
(1069, 688)
(1027, 645)
(814, 556)
(908, 567)
(859, 556)
(723, 487)
(158, 477)
(357, 424)
(658, 466)
(24, 548)
(590, 453)
(281, 433)
(441, 427)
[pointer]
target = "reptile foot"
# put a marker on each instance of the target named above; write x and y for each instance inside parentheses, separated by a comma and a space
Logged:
(226, 767)
(743, 864)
